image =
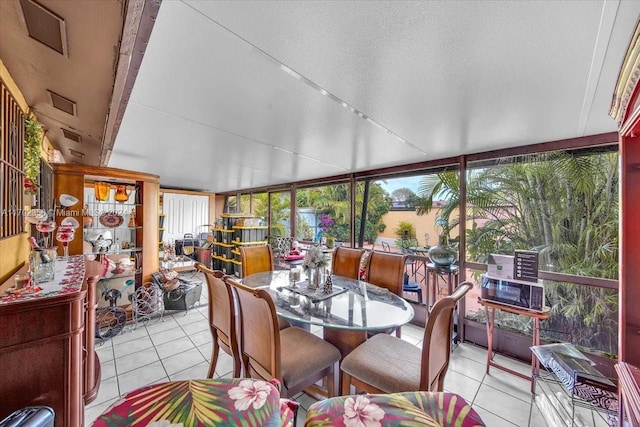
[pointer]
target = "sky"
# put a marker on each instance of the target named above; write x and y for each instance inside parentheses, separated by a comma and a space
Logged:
(411, 183)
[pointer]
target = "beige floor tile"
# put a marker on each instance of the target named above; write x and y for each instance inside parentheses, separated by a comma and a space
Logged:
(148, 374)
(196, 372)
(183, 360)
(132, 347)
(174, 347)
(461, 384)
(94, 411)
(492, 420)
(503, 404)
(161, 337)
(179, 348)
(134, 361)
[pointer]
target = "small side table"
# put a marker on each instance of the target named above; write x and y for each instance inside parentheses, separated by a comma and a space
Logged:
(433, 272)
(490, 310)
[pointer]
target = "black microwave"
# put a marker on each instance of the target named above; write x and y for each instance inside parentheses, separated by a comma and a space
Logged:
(515, 293)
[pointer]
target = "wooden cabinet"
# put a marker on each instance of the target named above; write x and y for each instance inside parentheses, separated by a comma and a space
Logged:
(41, 351)
(140, 237)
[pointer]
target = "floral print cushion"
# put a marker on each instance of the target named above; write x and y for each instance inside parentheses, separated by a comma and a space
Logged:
(396, 409)
(228, 402)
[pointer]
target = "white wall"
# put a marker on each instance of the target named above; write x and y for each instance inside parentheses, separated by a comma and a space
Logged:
(185, 213)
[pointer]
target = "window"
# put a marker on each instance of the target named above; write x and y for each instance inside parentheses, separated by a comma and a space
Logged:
(11, 164)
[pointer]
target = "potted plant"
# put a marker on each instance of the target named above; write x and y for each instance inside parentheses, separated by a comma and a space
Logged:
(32, 141)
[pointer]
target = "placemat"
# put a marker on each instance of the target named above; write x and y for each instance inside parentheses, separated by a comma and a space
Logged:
(315, 294)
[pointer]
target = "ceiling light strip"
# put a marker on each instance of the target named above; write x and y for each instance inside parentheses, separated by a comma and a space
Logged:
(312, 84)
(271, 146)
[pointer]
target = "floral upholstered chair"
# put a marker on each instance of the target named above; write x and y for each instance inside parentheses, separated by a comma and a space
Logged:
(191, 403)
(397, 409)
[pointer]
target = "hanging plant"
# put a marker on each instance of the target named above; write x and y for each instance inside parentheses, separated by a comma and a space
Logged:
(32, 140)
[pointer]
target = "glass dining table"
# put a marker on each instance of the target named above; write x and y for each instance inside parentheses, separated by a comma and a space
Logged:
(353, 307)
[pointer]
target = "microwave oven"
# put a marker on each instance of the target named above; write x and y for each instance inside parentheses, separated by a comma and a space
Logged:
(514, 293)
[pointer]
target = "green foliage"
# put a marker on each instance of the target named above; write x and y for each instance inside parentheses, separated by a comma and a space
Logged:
(303, 228)
(32, 141)
(405, 229)
(565, 206)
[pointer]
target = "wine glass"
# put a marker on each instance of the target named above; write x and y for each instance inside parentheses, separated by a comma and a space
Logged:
(64, 235)
(46, 227)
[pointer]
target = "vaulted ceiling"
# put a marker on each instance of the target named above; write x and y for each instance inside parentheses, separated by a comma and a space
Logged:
(232, 95)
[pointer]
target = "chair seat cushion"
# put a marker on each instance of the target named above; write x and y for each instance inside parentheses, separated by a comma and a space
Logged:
(412, 287)
(304, 354)
(409, 408)
(292, 257)
(386, 362)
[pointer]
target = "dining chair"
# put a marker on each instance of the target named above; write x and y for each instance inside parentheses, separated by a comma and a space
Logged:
(295, 357)
(222, 319)
(386, 247)
(386, 364)
(386, 270)
(346, 262)
(258, 259)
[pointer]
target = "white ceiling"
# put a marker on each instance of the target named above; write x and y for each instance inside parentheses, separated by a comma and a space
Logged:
(235, 95)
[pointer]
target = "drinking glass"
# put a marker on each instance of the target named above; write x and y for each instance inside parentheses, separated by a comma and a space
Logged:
(64, 235)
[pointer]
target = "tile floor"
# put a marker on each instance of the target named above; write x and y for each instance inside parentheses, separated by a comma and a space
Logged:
(179, 346)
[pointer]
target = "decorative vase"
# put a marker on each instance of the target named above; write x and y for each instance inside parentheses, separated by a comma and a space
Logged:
(314, 277)
(442, 254)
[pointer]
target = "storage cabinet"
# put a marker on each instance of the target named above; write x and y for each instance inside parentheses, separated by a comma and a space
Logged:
(233, 231)
(133, 239)
(45, 351)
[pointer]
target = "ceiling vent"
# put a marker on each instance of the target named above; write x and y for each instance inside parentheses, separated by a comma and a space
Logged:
(62, 103)
(72, 136)
(45, 26)
(76, 153)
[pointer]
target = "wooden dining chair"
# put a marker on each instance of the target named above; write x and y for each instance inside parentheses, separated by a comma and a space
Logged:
(295, 357)
(346, 262)
(222, 320)
(386, 364)
(258, 259)
(386, 270)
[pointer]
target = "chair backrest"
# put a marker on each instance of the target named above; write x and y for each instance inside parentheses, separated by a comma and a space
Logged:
(436, 347)
(280, 245)
(256, 259)
(260, 335)
(222, 313)
(386, 270)
(386, 247)
(346, 262)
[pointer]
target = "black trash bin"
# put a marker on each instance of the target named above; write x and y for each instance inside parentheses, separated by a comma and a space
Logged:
(31, 416)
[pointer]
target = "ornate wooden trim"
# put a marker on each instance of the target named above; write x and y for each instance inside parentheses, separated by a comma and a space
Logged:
(627, 79)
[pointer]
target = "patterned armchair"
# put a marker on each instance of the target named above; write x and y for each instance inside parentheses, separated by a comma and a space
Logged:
(229, 402)
(396, 409)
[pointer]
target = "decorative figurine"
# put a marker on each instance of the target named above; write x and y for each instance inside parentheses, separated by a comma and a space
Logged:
(328, 285)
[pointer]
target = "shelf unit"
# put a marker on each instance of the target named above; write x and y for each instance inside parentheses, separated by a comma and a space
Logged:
(141, 235)
(232, 232)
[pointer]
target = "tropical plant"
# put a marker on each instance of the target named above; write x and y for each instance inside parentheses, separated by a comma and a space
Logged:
(564, 206)
(32, 141)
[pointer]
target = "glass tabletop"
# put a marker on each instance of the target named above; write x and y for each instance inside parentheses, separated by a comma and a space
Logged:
(362, 306)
